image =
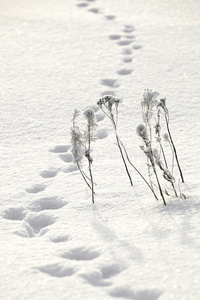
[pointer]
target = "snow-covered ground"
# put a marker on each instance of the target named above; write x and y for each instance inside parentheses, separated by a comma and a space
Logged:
(57, 56)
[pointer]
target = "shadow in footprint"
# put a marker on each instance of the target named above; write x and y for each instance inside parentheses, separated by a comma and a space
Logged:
(137, 47)
(60, 239)
(130, 36)
(94, 107)
(49, 173)
(81, 253)
(14, 213)
(114, 37)
(127, 59)
(83, 4)
(128, 28)
(127, 51)
(114, 83)
(47, 203)
(36, 189)
(94, 10)
(102, 134)
(60, 148)
(68, 158)
(128, 293)
(99, 117)
(110, 17)
(124, 43)
(57, 270)
(111, 270)
(125, 71)
(95, 278)
(39, 221)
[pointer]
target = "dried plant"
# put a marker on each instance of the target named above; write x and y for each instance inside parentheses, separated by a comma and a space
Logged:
(151, 107)
(81, 144)
(109, 105)
(162, 104)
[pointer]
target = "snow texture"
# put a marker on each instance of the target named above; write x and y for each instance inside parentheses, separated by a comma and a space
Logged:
(57, 56)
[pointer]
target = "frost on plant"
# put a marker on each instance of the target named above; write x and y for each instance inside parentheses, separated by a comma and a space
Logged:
(156, 111)
(148, 102)
(109, 105)
(76, 140)
(81, 144)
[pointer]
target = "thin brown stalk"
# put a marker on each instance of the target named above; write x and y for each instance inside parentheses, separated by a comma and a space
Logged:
(138, 171)
(175, 153)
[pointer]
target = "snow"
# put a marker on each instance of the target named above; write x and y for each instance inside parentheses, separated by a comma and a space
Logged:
(57, 56)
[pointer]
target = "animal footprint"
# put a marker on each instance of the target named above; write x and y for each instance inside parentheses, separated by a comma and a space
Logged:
(14, 213)
(114, 83)
(60, 239)
(124, 43)
(125, 71)
(127, 59)
(94, 10)
(114, 37)
(49, 173)
(66, 157)
(137, 47)
(48, 203)
(128, 28)
(60, 149)
(110, 270)
(95, 278)
(130, 36)
(36, 189)
(83, 4)
(128, 293)
(110, 17)
(57, 270)
(127, 51)
(81, 253)
(99, 117)
(102, 134)
(94, 107)
(39, 221)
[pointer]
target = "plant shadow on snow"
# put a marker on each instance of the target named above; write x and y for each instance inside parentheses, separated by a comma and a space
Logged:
(108, 235)
(179, 213)
(181, 206)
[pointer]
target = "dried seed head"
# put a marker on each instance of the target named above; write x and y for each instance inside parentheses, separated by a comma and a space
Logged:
(108, 100)
(168, 176)
(157, 128)
(90, 117)
(166, 137)
(149, 98)
(77, 147)
(141, 131)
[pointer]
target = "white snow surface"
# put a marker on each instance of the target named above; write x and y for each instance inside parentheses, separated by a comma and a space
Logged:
(57, 56)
